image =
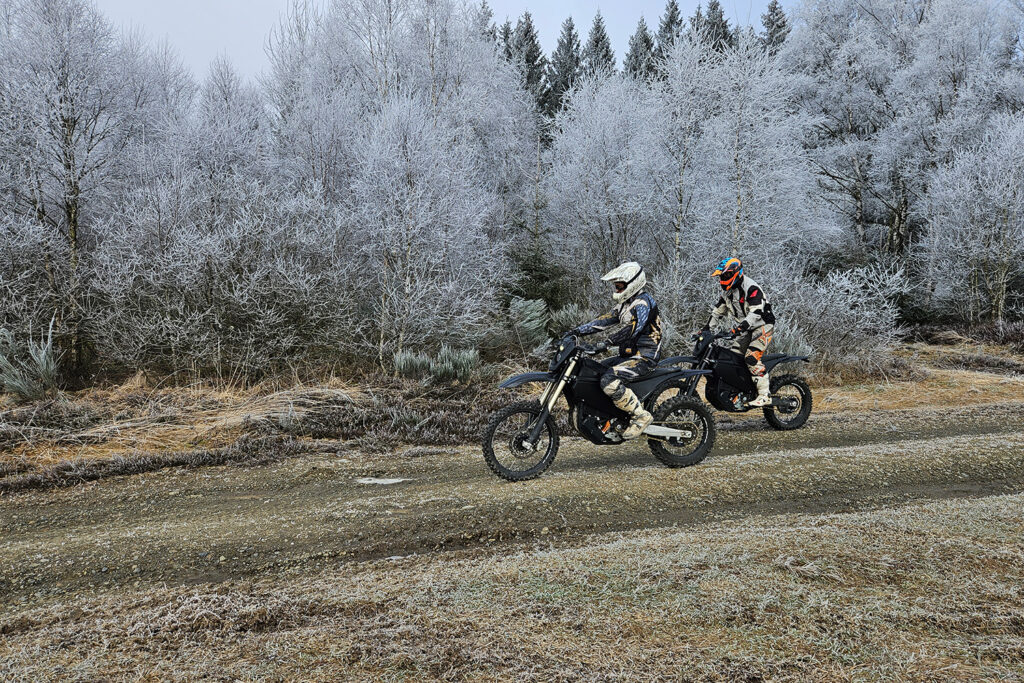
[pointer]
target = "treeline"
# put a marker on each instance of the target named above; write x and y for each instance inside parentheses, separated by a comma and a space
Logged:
(549, 78)
(410, 177)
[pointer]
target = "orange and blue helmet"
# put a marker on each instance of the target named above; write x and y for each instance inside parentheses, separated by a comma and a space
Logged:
(728, 272)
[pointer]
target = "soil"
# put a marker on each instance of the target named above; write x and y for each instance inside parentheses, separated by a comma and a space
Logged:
(183, 526)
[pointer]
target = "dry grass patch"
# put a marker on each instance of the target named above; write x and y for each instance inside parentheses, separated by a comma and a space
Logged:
(939, 389)
(95, 427)
(927, 592)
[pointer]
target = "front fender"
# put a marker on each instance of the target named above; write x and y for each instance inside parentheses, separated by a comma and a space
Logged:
(526, 378)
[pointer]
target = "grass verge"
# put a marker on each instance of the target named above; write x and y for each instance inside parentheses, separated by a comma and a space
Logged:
(923, 592)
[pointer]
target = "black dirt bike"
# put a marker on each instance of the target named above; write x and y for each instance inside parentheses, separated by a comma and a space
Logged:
(521, 440)
(729, 386)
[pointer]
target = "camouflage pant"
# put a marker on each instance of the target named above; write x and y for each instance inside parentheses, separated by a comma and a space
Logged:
(752, 345)
(622, 371)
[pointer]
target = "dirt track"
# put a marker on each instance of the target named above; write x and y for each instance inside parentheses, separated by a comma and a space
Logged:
(185, 526)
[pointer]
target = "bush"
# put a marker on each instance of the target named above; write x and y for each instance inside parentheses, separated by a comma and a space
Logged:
(529, 319)
(31, 378)
(455, 364)
(412, 365)
(566, 318)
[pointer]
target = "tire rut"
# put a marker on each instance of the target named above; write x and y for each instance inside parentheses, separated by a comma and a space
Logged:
(212, 524)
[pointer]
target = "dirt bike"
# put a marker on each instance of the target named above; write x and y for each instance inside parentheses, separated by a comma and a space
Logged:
(729, 386)
(521, 440)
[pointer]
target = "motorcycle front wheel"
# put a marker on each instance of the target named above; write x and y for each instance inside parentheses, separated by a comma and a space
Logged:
(507, 450)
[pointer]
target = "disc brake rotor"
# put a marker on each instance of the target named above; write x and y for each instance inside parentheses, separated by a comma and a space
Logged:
(520, 445)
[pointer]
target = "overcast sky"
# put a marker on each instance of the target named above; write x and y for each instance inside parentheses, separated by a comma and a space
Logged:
(203, 29)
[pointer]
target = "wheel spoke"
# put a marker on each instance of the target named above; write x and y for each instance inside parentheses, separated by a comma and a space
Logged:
(510, 446)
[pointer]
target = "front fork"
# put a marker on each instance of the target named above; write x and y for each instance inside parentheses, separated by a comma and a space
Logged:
(548, 399)
(691, 382)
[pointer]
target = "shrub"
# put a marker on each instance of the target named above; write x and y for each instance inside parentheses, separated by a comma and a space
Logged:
(412, 365)
(567, 318)
(529, 319)
(454, 364)
(31, 378)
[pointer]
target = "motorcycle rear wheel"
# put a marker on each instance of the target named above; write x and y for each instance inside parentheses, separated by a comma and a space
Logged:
(683, 412)
(503, 443)
(793, 387)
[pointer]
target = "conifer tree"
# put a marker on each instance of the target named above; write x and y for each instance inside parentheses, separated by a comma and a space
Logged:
(529, 57)
(640, 59)
(713, 27)
(505, 40)
(485, 22)
(598, 57)
(696, 22)
(669, 30)
(565, 67)
(776, 27)
(720, 35)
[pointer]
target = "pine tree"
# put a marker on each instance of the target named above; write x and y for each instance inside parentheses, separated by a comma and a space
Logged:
(565, 67)
(696, 23)
(529, 57)
(598, 57)
(719, 34)
(713, 28)
(776, 27)
(505, 40)
(485, 22)
(669, 30)
(640, 59)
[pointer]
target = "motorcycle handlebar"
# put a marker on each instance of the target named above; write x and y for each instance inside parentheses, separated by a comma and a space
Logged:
(720, 335)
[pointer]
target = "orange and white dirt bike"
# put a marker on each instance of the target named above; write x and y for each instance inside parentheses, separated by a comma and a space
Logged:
(730, 388)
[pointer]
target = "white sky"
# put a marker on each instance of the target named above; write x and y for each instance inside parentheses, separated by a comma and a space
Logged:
(200, 30)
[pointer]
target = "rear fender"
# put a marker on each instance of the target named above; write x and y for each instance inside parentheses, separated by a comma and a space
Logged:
(526, 378)
(768, 366)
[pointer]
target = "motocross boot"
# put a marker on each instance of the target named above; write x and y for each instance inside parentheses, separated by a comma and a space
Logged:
(763, 399)
(641, 419)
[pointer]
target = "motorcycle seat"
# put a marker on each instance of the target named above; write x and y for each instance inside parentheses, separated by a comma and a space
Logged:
(773, 356)
(659, 372)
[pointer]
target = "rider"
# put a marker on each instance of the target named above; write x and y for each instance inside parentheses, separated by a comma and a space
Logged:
(639, 342)
(744, 300)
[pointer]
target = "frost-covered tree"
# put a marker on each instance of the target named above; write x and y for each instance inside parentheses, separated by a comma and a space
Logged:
(974, 247)
(670, 28)
(895, 85)
(713, 27)
(639, 61)
(684, 100)
(428, 269)
(775, 26)
(598, 56)
(73, 97)
(485, 22)
(529, 57)
(756, 183)
(604, 156)
(505, 39)
(565, 67)
(313, 112)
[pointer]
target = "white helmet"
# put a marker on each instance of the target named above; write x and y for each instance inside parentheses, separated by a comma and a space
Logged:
(632, 273)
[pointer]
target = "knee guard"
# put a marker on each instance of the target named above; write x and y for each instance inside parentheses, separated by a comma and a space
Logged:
(613, 387)
(755, 365)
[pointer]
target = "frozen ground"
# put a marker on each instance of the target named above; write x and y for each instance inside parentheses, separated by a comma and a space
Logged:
(871, 544)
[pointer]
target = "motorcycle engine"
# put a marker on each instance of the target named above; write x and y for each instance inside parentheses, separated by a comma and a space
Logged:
(596, 428)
